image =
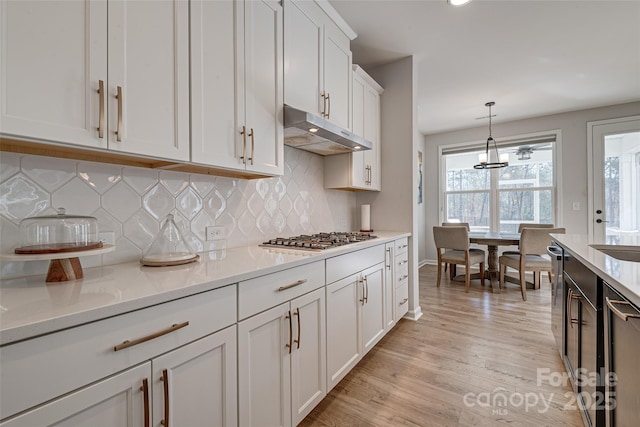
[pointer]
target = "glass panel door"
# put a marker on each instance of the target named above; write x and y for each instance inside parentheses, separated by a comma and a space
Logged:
(615, 207)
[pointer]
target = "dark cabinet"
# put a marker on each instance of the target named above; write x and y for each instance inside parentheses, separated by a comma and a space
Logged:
(582, 349)
(622, 343)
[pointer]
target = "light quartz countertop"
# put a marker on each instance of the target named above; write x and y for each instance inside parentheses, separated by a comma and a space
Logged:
(623, 276)
(30, 307)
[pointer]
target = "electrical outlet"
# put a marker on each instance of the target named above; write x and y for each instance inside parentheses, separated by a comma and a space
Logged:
(215, 232)
(107, 237)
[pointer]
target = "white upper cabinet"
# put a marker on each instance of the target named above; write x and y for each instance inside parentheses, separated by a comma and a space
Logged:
(98, 73)
(317, 63)
(237, 85)
(359, 170)
(53, 55)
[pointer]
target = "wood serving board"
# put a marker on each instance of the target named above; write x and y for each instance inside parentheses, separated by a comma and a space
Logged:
(57, 248)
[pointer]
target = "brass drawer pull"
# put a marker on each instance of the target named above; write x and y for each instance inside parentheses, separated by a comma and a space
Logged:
(165, 386)
(297, 313)
(101, 109)
(119, 130)
(292, 285)
(290, 344)
(244, 145)
(145, 394)
(402, 247)
(403, 262)
(624, 316)
(400, 279)
(253, 145)
(128, 343)
(403, 301)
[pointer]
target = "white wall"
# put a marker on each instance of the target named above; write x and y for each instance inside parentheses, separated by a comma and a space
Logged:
(395, 207)
(573, 169)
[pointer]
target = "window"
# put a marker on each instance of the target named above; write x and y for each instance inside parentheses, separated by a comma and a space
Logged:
(500, 199)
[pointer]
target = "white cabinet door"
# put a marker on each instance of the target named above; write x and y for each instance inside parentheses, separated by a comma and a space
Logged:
(53, 56)
(196, 385)
(115, 401)
(358, 171)
(317, 63)
(343, 327)
(148, 88)
(303, 55)
(389, 287)
(337, 76)
(372, 133)
(373, 309)
(98, 73)
(237, 85)
(308, 356)
(264, 368)
(263, 78)
(214, 80)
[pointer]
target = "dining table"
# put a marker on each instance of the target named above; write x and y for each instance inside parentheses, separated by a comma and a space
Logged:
(493, 241)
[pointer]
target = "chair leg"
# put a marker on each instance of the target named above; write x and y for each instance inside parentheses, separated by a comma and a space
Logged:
(439, 272)
(482, 273)
(538, 279)
(523, 285)
(549, 275)
(467, 277)
(502, 271)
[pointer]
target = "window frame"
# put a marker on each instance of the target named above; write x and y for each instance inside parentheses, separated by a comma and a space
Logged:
(494, 190)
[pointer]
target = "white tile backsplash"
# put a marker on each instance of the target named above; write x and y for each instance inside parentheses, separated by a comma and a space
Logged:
(133, 202)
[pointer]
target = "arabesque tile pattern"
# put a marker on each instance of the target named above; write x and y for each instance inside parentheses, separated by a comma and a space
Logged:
(133, 203)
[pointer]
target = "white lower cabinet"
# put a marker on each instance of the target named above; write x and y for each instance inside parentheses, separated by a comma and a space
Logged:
(159, 365)
(355, 309)
(281, 346)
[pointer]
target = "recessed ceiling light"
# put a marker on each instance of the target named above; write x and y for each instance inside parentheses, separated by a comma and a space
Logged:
(357, 147)
(458, 2)
(313, 130)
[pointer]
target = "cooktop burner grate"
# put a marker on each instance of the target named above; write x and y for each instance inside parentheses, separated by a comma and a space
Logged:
(319, 241)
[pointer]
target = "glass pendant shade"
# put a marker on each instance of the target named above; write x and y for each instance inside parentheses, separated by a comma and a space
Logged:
(169, 247)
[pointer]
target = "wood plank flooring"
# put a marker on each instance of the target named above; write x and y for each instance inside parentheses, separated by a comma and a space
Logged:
(451, 367)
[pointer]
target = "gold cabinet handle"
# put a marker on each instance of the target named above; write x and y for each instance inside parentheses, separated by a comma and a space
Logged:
(101, 109)
(253, 145)
(624, 316)
(403, 262)
(400, 279)
(402, 247)
(389, 263)
(366, 287)
(363, 300)
(329, 102)
(403, 301)
(244, 144)
(131, 343)
(145, 396)
(290, 344)
(571, 296)
(119, 130)
(165, 386)
(324, 104)
(292, 285)
(297, 313)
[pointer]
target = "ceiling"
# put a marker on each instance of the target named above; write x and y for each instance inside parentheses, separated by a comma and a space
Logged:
(532, 58)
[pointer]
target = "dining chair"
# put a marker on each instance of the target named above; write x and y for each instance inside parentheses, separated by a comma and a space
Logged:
(531, 256)
(522, 226)
(452, 245)
(452, 270)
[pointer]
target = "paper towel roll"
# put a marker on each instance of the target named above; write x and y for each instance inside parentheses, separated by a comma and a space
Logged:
(365, 218)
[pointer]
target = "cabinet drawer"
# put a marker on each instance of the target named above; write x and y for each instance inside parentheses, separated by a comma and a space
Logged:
(401, 245)
(345, 265)
(42, 368)
(402, 300)
(261, 293)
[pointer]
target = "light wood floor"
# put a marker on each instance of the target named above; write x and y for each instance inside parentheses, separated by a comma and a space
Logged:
(477, 344)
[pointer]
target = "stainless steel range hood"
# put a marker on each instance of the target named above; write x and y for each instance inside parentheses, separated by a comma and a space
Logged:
(309, 132)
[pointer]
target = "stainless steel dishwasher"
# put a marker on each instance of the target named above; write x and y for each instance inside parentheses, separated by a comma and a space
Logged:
(557, 296)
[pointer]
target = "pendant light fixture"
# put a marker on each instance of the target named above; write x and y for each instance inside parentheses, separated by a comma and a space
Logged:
(485, 157)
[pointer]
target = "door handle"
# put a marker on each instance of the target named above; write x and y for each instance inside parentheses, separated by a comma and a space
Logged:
(297, 314)
(119, 130)
(165, 386)
(599, 221)
(243, 132)
(101, 109)
(290, 344)
(624, 316)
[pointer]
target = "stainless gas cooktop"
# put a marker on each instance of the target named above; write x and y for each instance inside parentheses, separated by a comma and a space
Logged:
(318, 242)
